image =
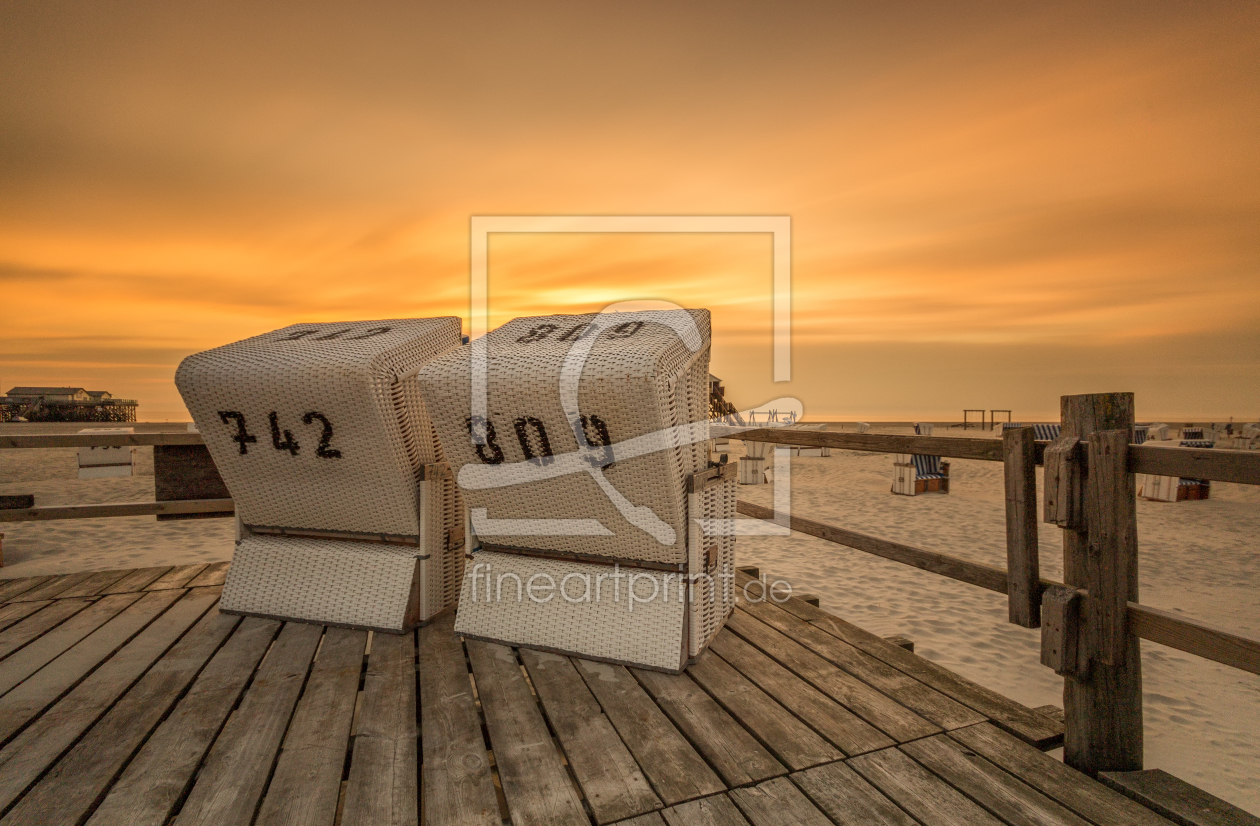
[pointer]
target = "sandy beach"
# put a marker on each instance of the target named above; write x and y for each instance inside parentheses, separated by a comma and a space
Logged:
(1199, 558)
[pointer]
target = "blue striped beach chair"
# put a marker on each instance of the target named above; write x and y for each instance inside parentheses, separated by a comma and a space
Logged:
(1047, 432)
(1139, 434)
(1011, 426)
(1192, 433)
(1197, 443)
(914, 474)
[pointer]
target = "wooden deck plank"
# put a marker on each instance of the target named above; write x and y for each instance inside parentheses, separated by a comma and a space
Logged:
(776, 802)
(535, 782)
(306, 784)
(67, 792)
(91, 586)
(382, 789)
(794, 743)
(52, 588)
(458, 785)
(1176, 799)
(611, 781)
(673, 767)
(232, 780)
(150, 787)
(735, 753)
(214, 574)
(43, 650)
(847, 799)
(1078, 792)
(40, 622)
(13, 588)
(718, 810)
(917, 696)
(998, 791)
(177, 577)
(1025, 723)
(878, 709)
(42, 688)
(136, 580)
(649, 819)
(925, 796)
(850, 733)
(15, 612)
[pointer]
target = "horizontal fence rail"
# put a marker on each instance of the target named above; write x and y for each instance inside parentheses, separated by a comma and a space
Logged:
(99, 440)
(1152, 624)
(217, 506)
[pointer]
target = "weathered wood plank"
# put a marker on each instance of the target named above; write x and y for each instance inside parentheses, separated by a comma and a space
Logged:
(35, 655)
(881, 711)
(1022, 563)
(177, 577)
(1194, 637)
(222, 507)
(457, 783)
(93, 585)
(1176, 799)
(611, 781)
(136, 580)
(1018, 719)
(535, 783)
(973, 573)
(15, 612)
(850, 733)
(214, 574)
(43, 741)
(989, 450)
(235, 772)
(848, 799)
(52, 588)
(718, 810)
(649, 819)
(1239, 466)
(921, 793)
(735, 753)
(151, 786)
(670, 762)
(11, 588)
(306, 784)
(998, 791)
(12, 442)
(383, 786)
(793, 742)
(776, 802)
(48, 615)
(1088, 798)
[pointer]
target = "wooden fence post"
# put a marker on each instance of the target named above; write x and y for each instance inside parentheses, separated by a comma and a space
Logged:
(1023, 578)
(1093, 499)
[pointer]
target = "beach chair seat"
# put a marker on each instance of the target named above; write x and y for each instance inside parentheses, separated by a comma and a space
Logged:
(1197, 443)
(348, 513)
(1047, 432)
(915, 473)
(638, 498)
(1192, 433)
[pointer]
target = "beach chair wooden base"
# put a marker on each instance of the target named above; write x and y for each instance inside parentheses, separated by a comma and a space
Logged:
(350, 584)
(1171, 488)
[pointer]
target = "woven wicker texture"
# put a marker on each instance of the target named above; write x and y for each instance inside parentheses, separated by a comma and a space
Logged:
(649, 634)
(640, 377)
(358, 584)
(315, 426)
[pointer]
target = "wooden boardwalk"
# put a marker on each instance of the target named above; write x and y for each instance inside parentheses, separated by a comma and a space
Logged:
(127, 699)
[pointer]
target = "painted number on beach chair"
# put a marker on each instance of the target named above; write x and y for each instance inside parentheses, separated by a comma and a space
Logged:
(543, 331)
(282, 439)
(298, 335)
(535, 444)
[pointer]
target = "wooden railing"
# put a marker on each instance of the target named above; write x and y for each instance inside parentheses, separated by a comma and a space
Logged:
(1087, 641)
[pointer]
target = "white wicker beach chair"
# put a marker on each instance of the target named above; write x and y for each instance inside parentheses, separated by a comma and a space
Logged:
(105, 462)
(350, 516)
(624, 510)
(914, 474)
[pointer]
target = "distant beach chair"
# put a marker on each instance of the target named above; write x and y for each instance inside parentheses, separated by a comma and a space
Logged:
(1047, 432)
(1011, 426)
(862, 427)
(107, 462)
(350, 517)
(915, 473)
(752, 468)
(1197, 443)
(1157, 432)
(1192, 433)
(923, 428)
(797, 450)
(1139, 434)
(1173, 488)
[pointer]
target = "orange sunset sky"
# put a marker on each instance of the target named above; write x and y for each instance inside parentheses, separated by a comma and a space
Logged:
(992, 204)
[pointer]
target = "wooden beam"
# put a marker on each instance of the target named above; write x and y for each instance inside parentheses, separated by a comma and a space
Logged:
(1194, 637)
(224, 507)
(973, 573)
(1060, 629)
(958, 448)
(1241, 466)
(9, 442)
(1022, 562)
